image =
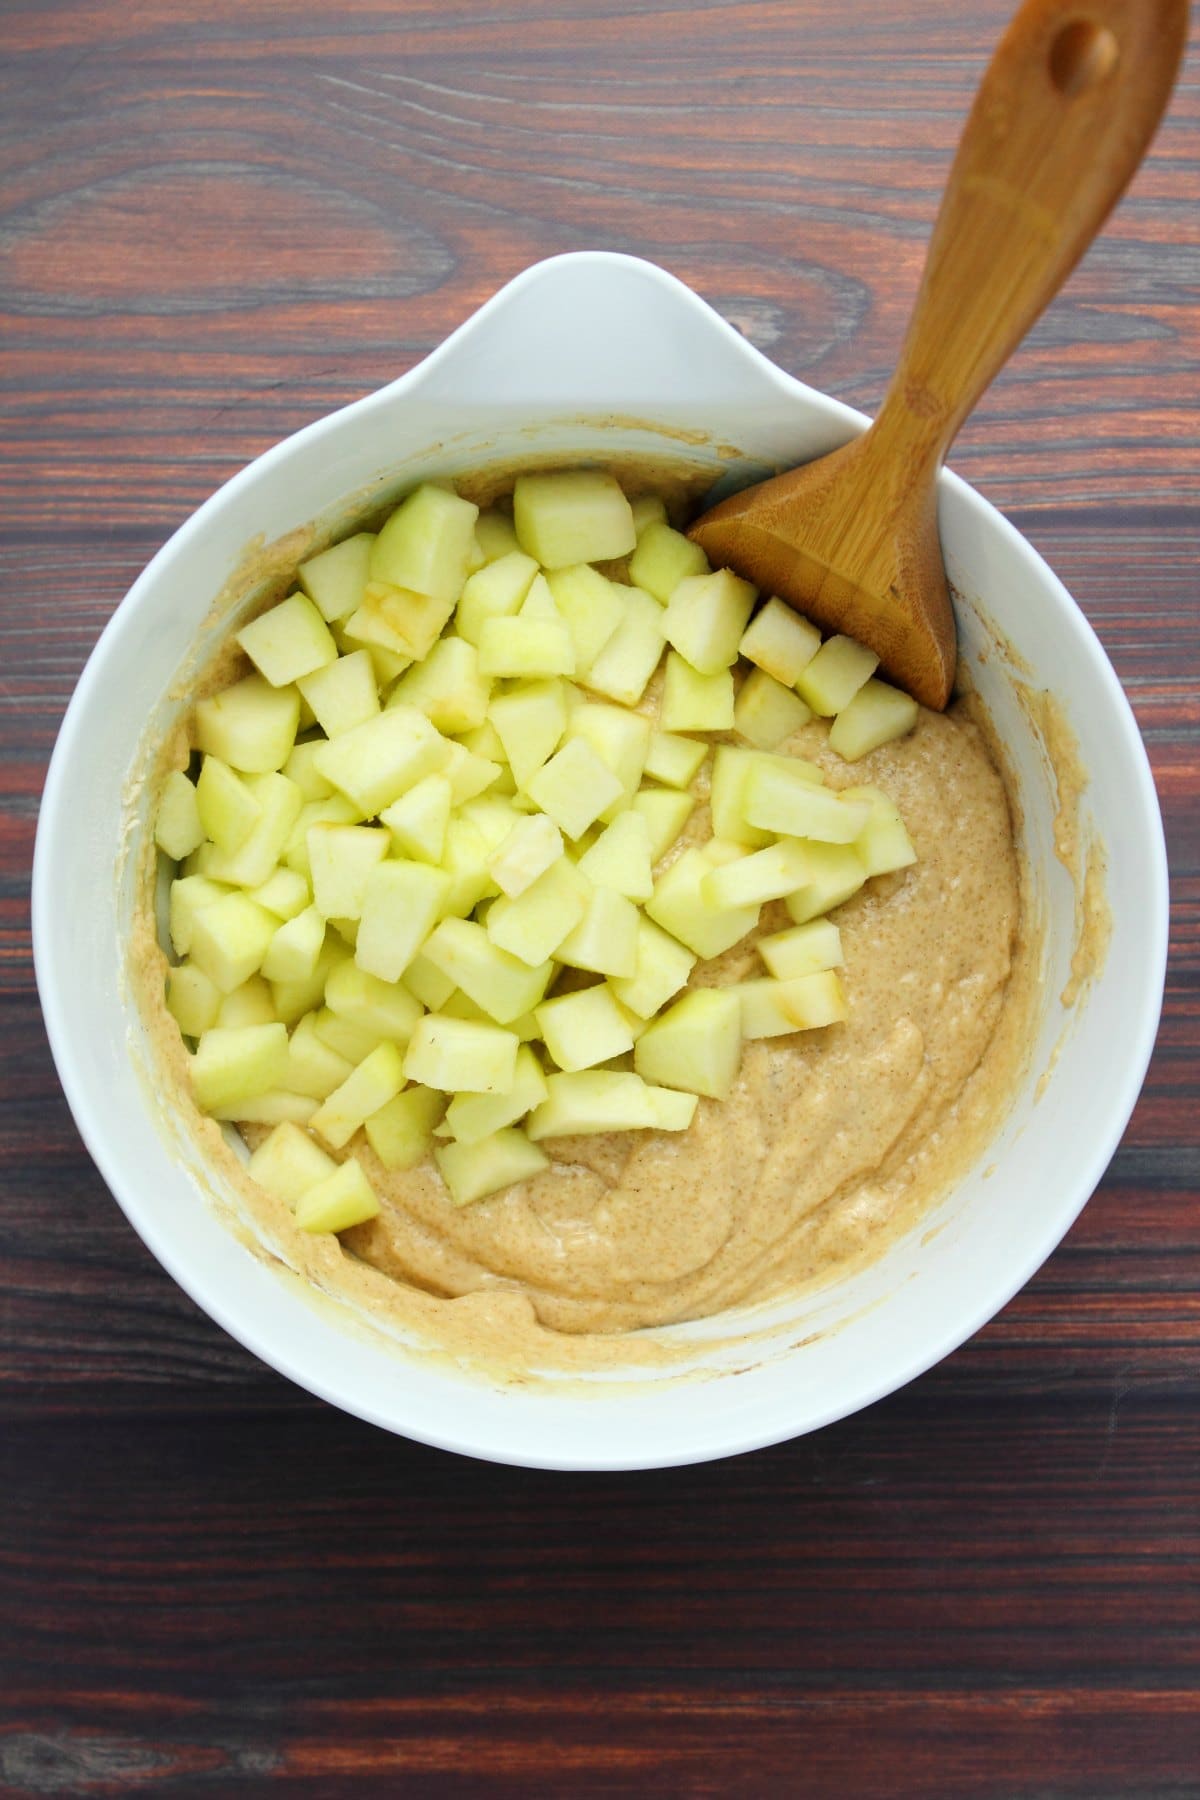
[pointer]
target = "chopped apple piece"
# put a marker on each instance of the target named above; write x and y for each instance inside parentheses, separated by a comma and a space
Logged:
(674, 760)
(766, 712)
(188, 898)
(402, 904)
(539, 601)
(813, 1001)
(465, 862)
(341, 859)
(426, 544)
(525, 648)
(835, 872)
(877, 714)
(401, 1132)
(290, 640)
(605, 939)
(679, 906)
(499, 983)
(497, 591)
(293, 951)
(460, 1056)
(341, 1200)
(593, 1100)
(418, 819)
(430, 986)
(574, 787)
(883, 843)
(533, 844)
(235, 1063)
(303, 772)
(782, 799)
(279, 803)
(532, 925)
(314, 1067)
(336, 810)
(292, 999)
(335, 578)
(529, 722)
(835, 674)
(629, 658)
(661, 969)
(762, 1009)
(193, 999)
(576, 516)
(705, 618)
(230, 938)
(275, 1107)
(284, 893)
(727, 797)
(757, 876)
(413, 621)
(251, 725)
(377, 762)
(584, 1028)
(781, 643)
(663, 559)
(343, 694)
(376, 1080)
(470, 775)
(384, 1007)
(288, 1163)
(695, 702)
(354, 1042)
(495, 535)
(804, 950)
(249, 1004)
(593, 608)
(620, 859)
(695, 1045)
(368, 629)
(494, 815)
(473, 1171)
(447, 687)
(646, 508)
(177, 827)
(666, 813)
(673, 1109)
(475, 1116)
(620, 739)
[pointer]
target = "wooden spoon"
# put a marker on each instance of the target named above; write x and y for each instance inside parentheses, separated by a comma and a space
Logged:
(1061, 121)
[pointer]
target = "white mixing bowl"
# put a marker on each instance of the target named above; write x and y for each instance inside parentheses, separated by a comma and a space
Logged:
(606, 356)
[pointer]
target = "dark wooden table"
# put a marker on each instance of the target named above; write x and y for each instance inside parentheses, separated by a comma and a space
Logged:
(218, 222)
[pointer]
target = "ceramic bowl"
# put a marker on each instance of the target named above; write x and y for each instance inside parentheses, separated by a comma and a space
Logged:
(606, 357)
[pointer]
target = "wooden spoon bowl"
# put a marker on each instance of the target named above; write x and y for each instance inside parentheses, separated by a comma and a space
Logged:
(1062, 119)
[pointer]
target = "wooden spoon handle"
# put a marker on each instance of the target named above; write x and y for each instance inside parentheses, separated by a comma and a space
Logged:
(1060, 123)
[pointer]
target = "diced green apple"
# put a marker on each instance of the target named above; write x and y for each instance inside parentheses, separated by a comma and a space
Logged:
(529, 722)
(781, 643)
(645, 509)
(495, 535)
(235, 1063)
(531, 847)
(695, 1045)
(835, 674)
(177, 827)
(695, 702)
(314, 1067)
(584, 1028)
(342, 695)
(662, 967)
(762, 1009)
(781, 799)
(804, 950)
(249, 1004)
(384, 1007)
(414, 621)
(623, 668)
(292, 999)
(679, 906)
(757, 876)
(705, 618)
(606, 938)
(293, 951)
(460, 1056)
(666, 813)
(288, 1163)
(227, 808)
(663, 559)
(532, 925)
(426, 544)
(765, 712)
(276, 1107)
(418, 819)
(376, 1080)
(284, 893)
(378, 761)
(279, 803)
(473, 1171)
(447, 687)
(341, 859)
(475, 1116)
(574, 787)
(193, 999)
(525, 648)
(303, 772)
(343, 1199)
(875, 716)
(674, 760)
(499, 983)
(401, 1132)
(189, 895)
(289, 640)
(335, 578)
(574, 516)
(883, 843)
(620, 739)
(621, 859)
(354, 1042)
(497, 591)
(402, 903)
(591, 1101)
(251, 725)
(593, 608)
(813, 1001)
(230, 938)
(835, 873)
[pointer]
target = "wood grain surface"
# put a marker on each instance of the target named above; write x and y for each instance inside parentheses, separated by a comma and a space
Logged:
(215, 224)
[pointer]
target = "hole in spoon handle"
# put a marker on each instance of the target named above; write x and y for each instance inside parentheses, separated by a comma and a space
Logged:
(1082, 55)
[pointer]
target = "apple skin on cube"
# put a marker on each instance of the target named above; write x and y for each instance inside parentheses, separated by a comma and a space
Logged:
(780, 642)
(177, 827)
(418, 820)
(532, 925)
(293, 951)
(666, 813)
(288, 1163)
(593, 608)
(474, 1116)
(229, 939)
(620, 858)
(695, 1045)
(875, 716)
(663, 559)
(473, 1171)
(376, 1080)
(674, 760)
(314, 1067)
(662, 967)
(251, 725)
(426, 544)
(705, 618)
(289, 640)
(590, 1101)
(813, 1001)
(235, 1063)
(402, 903)
(341, 859)
(342, 694)
(531, 847)
(584, 1028)
(574, 787)
(835, 674)
(679, 906)
(193, 1000)
(529, 722)
(499, 983)
(765, 712)
(461, 1056)
(782, 800)
(606, 938)
(334, 579)
(401, 1132)
(804, 950)
(378, 761)
(695, 702)
(524, 648)
(341, 1200)
(835, 874)
(497, 591)
(573, 516)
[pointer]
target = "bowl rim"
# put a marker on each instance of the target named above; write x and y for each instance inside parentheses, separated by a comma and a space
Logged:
(1137, 1046)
